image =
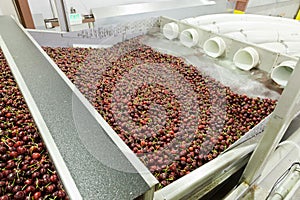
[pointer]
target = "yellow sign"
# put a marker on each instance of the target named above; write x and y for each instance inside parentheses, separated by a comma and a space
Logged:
(238, 12)
(298, 15)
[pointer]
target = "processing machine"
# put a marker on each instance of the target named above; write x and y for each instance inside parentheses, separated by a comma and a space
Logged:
(95, 162)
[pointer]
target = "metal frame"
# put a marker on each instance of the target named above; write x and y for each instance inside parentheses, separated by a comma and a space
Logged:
(201, 181)
(284, 113)
(60, 165)
(174, 190)
(282, 116)
(202, 184)
(62, 13)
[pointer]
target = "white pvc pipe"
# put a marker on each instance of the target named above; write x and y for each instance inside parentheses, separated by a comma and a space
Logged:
(296, 55)
(237, 36)
(189, 37)
(190, 21)
(266, 31)
(246, 58)
(258, 29)
(219, 18)
(292, 47)
(171, 30)
(235, 26)
(288, 36)
(281, 73)
(214, 47)
(258, 36)
(255, 36)
(275, 46)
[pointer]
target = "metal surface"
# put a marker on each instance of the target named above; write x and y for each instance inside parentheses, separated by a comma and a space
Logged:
(53, 9)
(202, 185)
(286, 153)
(130, 9)
(284, 8)
(238, 192)
(62, 107)
(183, 9)
(62, 15)
(281, 118)
(189, 186)
(104, 35)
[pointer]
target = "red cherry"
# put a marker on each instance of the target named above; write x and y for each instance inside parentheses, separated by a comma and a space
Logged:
(36, 155)
(37, 195)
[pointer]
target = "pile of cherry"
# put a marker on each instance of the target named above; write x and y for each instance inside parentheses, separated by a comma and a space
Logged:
(170, 114)
(26, 171)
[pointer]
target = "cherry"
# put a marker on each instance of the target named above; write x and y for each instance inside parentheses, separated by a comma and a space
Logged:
(19, 195)
(61, 194)
(36, 155)
(30, 189)
(223, 115)
(37, 195)
(53, 178)
(4, 197)
(13, 154)
(23, 154)
(50, 188)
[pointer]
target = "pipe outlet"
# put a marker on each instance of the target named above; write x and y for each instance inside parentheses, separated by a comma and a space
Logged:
(246, 58)
(214, 47)
(189, 37)
(282, 72)
(171, 30)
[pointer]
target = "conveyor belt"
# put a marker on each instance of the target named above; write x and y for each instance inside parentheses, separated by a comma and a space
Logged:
(61, 108)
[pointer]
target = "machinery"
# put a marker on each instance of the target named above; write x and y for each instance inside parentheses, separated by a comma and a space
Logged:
(85, 149)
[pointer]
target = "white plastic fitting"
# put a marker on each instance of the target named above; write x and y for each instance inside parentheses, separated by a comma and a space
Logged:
(189, 37)
(190, 21)
(246, 58)
(282, 72)
(171, 30)
(214, 47)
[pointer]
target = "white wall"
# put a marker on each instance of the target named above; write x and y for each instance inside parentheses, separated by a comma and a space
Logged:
(1, 12)
(7, 8)
(254, 3)
(40, 7)
(284, 8)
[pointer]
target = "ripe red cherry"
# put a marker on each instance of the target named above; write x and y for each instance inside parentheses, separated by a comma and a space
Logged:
(50, 188)
(20, 195)
(36, 155)
(37, 195)
(61, 194)
(53, 178)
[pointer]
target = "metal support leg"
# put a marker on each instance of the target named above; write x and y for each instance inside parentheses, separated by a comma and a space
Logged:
(63, 18)
(282, 116)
